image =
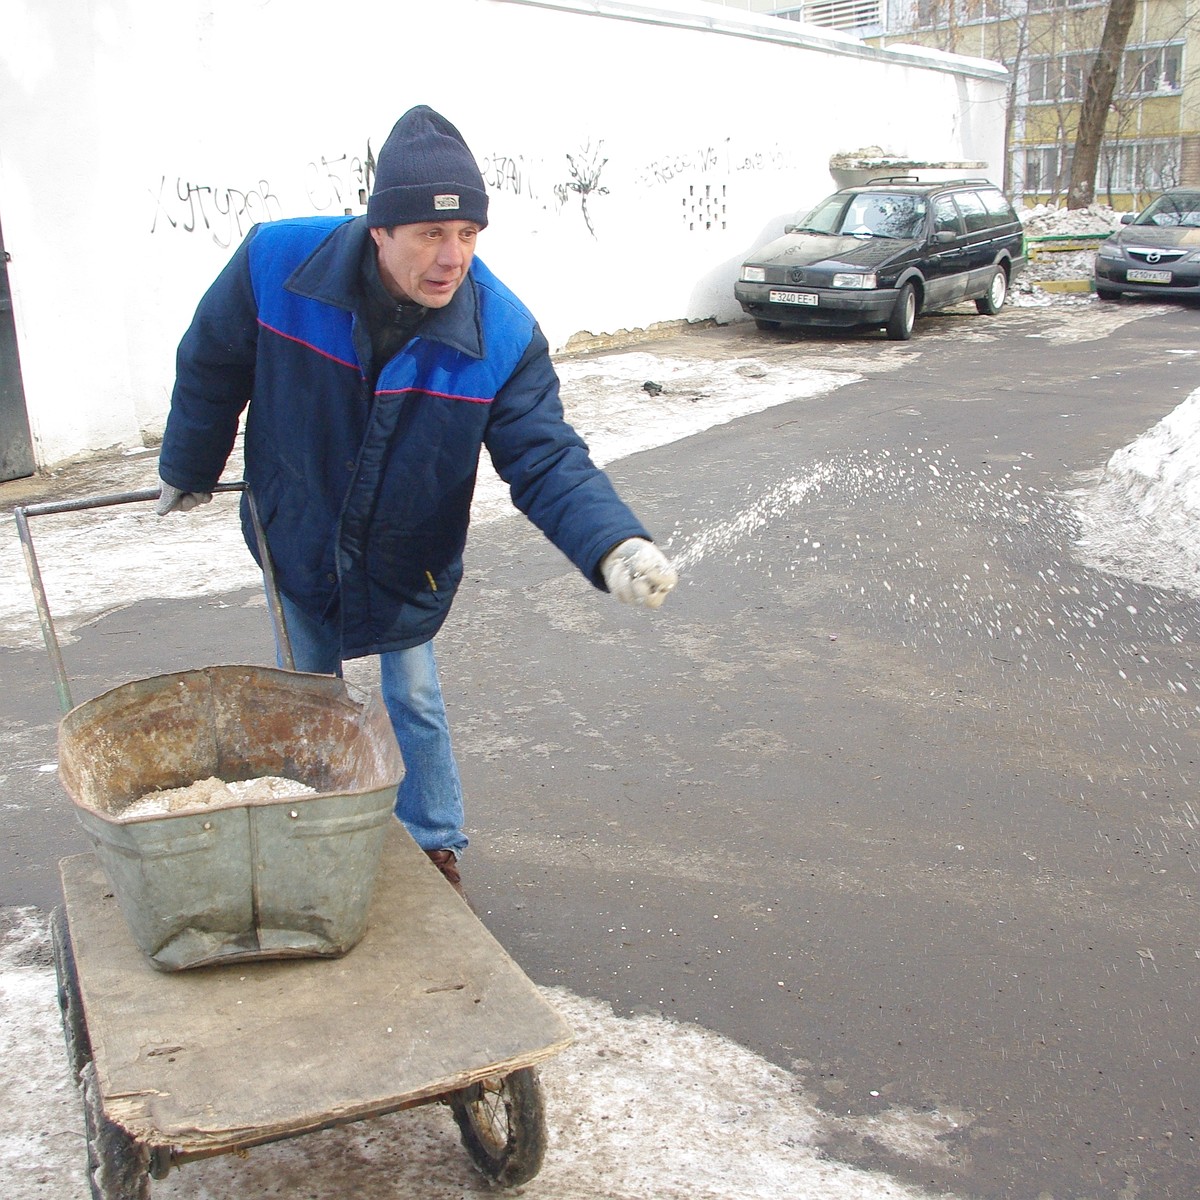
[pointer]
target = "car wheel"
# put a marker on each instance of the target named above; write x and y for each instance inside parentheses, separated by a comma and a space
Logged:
(993, 301)
(767, 325)
(1106, 293)
(904, 315)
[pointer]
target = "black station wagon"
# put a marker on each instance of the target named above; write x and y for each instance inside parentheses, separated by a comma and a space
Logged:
(882, 253)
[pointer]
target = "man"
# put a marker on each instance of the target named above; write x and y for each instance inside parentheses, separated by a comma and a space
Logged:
(374, 357)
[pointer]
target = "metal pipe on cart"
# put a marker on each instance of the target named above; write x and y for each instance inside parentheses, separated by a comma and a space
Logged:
(22, 514)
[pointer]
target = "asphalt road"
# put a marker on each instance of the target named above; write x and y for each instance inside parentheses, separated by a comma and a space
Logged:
(893, 792)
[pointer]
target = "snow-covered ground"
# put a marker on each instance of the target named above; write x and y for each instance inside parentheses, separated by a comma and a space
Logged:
(632, 1107)
(632, 1110)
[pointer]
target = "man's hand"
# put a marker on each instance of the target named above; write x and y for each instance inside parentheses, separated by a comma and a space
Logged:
(171, 499)
(638, 572)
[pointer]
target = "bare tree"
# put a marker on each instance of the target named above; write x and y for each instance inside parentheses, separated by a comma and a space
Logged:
(1093, 116)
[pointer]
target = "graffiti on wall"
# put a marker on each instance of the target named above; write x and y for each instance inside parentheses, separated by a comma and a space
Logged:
(225, 213)
(700, 174)
(704, 207)
(341, 183)
(509, 173)
(725, 159)
(585, 169)
(525, 178)
(332, 184)
(702, 177)
(678, 164)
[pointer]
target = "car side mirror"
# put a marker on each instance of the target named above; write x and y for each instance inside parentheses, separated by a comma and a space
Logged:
(1127, 218)
(790, 228)
(944, 236)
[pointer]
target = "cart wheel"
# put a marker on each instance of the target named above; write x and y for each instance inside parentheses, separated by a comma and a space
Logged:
(502, 1121)
(79, 1046)
(117, 1166)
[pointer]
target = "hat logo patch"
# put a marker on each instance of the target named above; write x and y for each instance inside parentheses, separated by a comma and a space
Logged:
(445, 202)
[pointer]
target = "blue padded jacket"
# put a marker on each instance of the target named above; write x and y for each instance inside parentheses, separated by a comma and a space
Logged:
(366, 494)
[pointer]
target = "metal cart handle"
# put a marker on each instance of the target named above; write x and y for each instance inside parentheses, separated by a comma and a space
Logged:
(24, 512)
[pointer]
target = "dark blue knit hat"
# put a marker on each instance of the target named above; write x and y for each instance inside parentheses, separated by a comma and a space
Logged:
(426, 173)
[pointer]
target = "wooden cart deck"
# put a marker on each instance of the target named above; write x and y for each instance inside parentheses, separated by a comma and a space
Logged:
(217, 1058)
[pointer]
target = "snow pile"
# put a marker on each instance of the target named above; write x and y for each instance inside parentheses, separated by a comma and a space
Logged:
(1140, 519)
(1047, 220)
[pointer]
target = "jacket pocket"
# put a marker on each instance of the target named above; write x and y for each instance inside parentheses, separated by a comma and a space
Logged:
(416, 568)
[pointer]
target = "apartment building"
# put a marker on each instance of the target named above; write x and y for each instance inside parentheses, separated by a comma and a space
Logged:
(1153, 135)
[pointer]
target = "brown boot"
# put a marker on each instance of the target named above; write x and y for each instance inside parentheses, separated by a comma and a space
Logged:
(446, 861)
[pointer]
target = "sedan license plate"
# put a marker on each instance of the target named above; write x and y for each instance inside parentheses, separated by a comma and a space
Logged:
(1148, 276)
(793, 298)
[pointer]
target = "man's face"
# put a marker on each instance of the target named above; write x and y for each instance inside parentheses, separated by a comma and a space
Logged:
(425, 263)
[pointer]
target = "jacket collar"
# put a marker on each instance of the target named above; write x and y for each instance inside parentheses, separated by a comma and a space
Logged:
(330, 275)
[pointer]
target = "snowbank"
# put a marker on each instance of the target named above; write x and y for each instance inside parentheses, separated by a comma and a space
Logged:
(1141, 517)
(1046, 220)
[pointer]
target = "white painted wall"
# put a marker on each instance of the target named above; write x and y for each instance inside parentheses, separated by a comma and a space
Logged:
(139, 140)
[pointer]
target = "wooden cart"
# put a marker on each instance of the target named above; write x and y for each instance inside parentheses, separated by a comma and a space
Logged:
(190, 1064)
(175, 1067)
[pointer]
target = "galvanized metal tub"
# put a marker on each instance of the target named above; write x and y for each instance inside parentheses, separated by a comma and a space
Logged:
(277, 878)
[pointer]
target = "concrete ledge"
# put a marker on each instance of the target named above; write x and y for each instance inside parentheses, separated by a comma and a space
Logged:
(585, 342)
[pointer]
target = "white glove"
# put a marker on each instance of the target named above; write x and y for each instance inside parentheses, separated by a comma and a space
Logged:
(638, 572)
(171, 499)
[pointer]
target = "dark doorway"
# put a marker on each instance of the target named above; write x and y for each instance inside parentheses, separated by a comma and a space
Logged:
(16, 445)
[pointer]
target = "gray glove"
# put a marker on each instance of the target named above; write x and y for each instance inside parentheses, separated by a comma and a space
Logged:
(171, 499)
(638, 572)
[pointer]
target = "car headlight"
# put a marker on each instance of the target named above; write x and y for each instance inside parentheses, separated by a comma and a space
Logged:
(754, 274)
(1109, 250)
(854, 280)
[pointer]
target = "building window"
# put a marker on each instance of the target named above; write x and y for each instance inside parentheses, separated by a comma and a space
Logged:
(1126, 167)
(1061, 78)
(927, 13)
(1045, 80)
(1146, 70)
(1075, 71)
(1047, 169)
(1141, 166)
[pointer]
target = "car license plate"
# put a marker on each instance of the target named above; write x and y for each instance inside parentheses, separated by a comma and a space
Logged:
(793, 298)
(1148, 276)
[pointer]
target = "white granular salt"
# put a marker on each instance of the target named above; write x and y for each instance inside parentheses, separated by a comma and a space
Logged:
(212, 792)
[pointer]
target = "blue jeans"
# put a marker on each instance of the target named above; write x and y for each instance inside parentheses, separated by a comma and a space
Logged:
(429, 800)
